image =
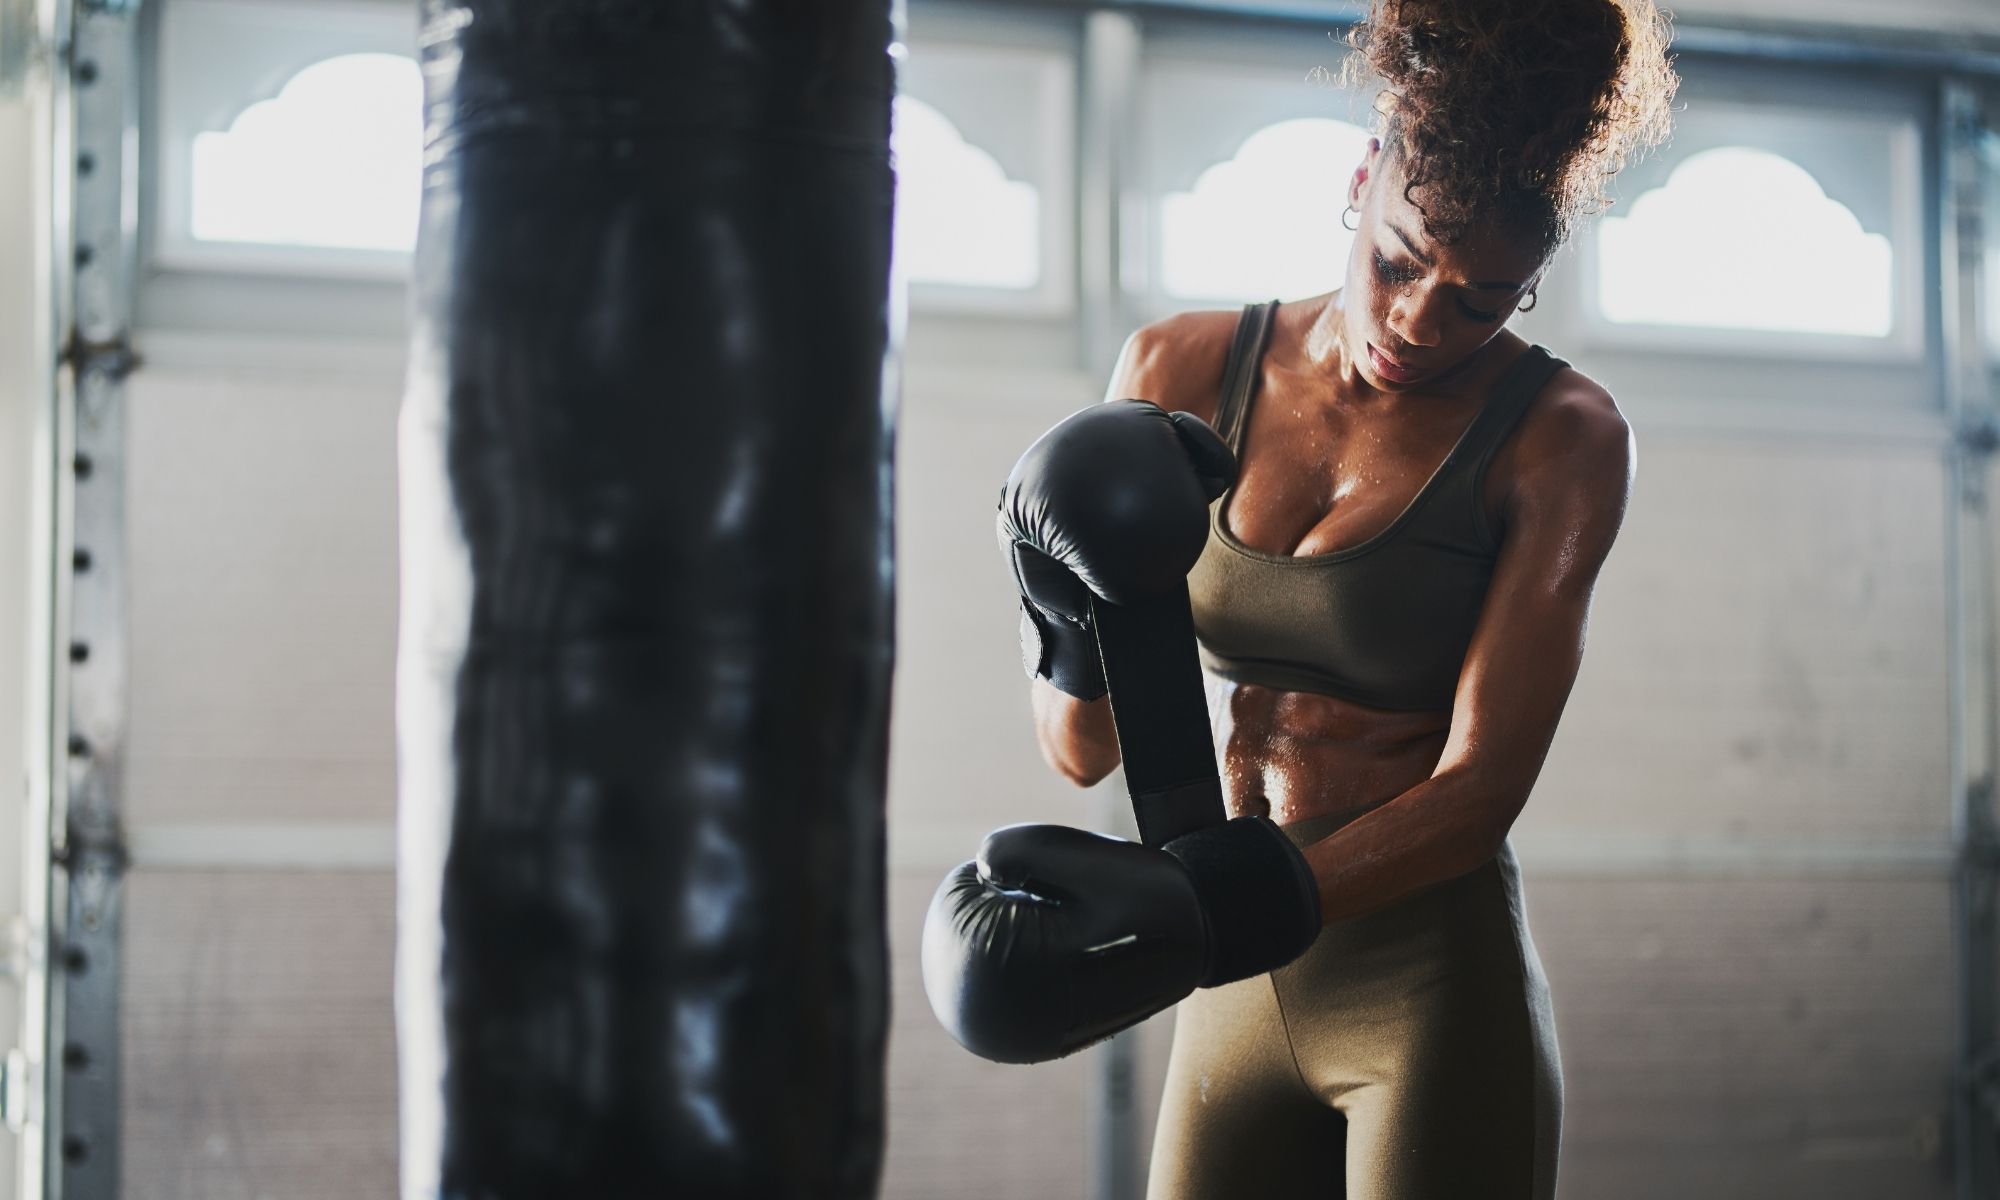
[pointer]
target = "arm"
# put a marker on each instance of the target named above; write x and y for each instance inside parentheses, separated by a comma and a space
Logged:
(1564, 509)
(1075, 736)
(1177, 364)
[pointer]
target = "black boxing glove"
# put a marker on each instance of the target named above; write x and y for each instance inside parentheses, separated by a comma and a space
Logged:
(1113, 500)
(1054, 938)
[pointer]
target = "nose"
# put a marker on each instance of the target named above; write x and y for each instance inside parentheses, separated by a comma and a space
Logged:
(1410, 320)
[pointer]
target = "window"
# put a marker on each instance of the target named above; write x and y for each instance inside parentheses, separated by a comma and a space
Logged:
(1990, 188)
(959, 220)
(1265, 223)
(1248, 148)
(1766, 230)
(335, 160)
(287, 138)
(983, 143)
(1740, 238)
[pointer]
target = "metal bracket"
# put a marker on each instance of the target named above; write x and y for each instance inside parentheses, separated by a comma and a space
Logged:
(1980, 857)
(1980, 437)
(113, 360)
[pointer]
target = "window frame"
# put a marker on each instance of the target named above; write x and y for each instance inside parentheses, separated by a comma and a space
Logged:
(350, 27)
(1908, 339)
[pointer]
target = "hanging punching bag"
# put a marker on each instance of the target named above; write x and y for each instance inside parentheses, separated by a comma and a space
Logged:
(645, 652)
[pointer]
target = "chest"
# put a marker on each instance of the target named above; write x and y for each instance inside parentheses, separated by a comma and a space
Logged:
(1318, 475)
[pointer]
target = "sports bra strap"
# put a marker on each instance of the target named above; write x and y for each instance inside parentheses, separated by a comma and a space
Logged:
(1518, 385)
(1240, 372)
(1512, 393)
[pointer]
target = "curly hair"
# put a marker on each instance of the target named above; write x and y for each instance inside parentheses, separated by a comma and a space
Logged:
(1518, 112)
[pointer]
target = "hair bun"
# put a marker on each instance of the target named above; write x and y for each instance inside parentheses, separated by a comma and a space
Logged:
(1517, 112)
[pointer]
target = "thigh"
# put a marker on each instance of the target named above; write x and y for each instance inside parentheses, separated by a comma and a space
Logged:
(1235, 1119)
(1479, 1118)
(1472, 1104)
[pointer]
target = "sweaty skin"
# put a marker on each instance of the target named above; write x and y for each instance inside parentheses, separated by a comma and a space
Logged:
(1335, 449)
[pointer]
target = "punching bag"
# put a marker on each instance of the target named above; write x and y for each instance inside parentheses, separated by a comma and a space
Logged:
(647, 597)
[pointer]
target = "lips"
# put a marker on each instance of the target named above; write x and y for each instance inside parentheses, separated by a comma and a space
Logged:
(1390, 369)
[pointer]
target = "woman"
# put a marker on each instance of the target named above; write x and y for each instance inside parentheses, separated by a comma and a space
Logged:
(1392, 605)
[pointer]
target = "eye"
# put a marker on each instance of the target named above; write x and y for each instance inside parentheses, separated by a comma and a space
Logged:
(1391, 273)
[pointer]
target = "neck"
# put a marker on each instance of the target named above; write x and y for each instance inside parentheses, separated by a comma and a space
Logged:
(1326, 347)
(1330, 356)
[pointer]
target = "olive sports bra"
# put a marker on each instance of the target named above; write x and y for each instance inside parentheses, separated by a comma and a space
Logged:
(1385, 623)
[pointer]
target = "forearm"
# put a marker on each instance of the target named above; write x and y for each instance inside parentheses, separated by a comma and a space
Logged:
(1076, 736)
(1438, 830)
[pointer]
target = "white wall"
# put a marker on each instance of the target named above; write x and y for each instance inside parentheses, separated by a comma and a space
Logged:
(1766, 671)
(259, 1052)
(261, 784)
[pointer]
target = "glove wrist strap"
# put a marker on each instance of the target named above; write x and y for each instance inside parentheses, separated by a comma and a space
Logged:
(1257, 892)
(1160, 708)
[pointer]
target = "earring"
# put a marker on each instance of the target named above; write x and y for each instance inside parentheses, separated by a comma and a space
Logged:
(1534, 298)
(1357, 219)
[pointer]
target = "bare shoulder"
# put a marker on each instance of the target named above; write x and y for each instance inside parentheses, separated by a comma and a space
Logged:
(1574, 438)
(1177, 362)
(1568, 481)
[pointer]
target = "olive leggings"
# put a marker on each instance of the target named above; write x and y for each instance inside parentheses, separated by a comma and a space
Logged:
(1410, 1054)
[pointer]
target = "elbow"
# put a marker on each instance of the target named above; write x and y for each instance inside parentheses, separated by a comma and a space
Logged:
(1076, 737)
(1485, 815)
(1083, 766)
(1466, 849)
(1484, 848)
(1494, 821)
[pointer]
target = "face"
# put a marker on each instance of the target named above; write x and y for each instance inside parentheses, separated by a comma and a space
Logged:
(1413, 308)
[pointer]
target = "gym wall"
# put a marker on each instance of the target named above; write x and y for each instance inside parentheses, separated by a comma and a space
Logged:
(1737, 861)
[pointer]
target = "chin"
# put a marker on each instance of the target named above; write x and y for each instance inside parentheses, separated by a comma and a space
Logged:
(1382, 382)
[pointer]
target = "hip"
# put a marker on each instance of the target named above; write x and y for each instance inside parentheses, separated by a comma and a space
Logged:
(1460, 942)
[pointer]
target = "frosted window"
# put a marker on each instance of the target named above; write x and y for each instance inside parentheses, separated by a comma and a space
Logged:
(1266, 223)
(959, 219)
(1993, 306)
(1744, 239)
(1992, 189)
(335, 159)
